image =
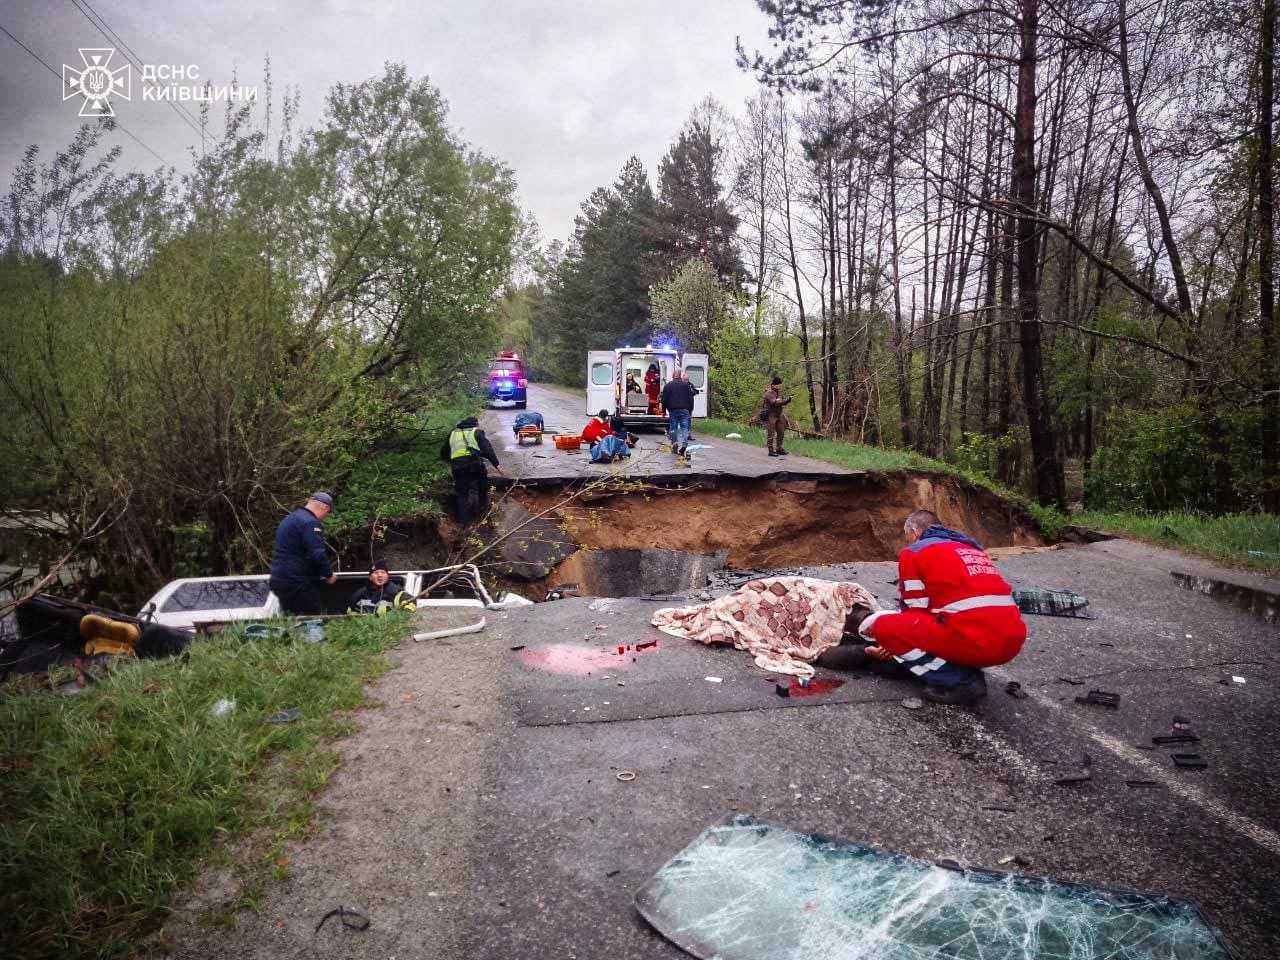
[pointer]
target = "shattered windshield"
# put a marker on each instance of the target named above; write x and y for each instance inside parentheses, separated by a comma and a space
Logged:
(217, 595)
(748, 891)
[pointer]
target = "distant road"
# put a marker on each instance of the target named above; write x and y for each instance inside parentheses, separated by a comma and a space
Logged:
(564, 411)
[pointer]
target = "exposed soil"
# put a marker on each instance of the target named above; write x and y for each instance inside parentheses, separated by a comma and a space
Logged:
(752, 524)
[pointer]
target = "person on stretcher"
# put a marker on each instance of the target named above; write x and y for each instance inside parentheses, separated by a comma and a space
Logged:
(958, 616)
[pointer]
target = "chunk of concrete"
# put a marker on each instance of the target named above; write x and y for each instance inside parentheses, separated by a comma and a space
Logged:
(535, 548)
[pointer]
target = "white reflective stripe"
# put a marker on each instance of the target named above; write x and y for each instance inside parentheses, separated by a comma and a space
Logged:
(972, 603)
(924, 668)
(918, 602)
(911, 655)
(912, 584)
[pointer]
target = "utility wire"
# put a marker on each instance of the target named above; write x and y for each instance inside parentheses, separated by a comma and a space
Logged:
(115, 122)
(132, 57)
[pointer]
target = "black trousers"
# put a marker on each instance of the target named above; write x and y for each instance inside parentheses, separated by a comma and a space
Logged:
(296, 597)
(470, 483)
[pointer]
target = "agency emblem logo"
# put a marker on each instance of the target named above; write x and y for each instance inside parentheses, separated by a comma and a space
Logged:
(97, 83)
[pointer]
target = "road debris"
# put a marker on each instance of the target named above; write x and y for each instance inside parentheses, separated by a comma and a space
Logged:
(1014, 689)
(1084, 776)
(714, 679)
(1189, 761)
(1101, 698)
(1144, 784)
(1052, 603)
(913, 703)
(518, 646)
(222, 708)
(626, 776)
(1175, 738)
(284, 716)
(357, 921)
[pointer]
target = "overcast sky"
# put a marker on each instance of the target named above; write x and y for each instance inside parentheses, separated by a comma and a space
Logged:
(562, 92)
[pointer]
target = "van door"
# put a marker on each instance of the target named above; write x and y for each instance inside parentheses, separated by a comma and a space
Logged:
(601, 382)
(695, 364)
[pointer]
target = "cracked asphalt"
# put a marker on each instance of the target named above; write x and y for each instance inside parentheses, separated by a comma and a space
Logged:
(520, 841)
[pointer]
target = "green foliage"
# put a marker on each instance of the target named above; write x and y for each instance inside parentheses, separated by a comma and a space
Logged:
(737, 380)
(597, 293)
(977, 453)
(400, 481)
(205, 349)
(1244, 539)
(692, 306)
(1151, 461)
(110, 801)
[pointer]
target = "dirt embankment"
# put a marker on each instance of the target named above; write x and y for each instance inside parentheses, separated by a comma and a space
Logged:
(788, 523)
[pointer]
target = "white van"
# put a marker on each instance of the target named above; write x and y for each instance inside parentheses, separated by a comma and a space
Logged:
(188, 603)
(607, 372)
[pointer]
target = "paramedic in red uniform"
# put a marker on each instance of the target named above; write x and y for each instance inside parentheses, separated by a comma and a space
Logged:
(652, 388)
(958, 614)
(597, 427)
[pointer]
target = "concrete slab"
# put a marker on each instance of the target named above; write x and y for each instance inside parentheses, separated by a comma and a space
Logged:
(563, 411)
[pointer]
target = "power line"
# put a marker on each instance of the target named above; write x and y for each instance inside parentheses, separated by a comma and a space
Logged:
(40, 60)
(132, 57)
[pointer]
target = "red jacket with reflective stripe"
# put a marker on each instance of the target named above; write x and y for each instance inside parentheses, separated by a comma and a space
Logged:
(594, 430)
(948, 576)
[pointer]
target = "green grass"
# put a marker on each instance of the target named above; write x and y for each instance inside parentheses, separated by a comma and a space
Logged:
(400, 483)
(1228, 538)
(112, 800)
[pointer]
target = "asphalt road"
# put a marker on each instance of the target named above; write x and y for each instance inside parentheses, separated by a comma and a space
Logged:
(563, 411)
(478, 812)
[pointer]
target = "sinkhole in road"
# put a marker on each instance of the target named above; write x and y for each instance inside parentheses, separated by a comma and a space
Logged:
(672, 540)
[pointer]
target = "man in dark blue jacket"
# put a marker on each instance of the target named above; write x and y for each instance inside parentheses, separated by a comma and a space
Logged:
(299, 561)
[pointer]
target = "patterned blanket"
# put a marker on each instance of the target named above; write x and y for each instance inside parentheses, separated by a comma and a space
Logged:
(781, 621)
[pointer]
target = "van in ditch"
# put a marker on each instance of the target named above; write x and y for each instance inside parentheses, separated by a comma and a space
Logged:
(609, 372)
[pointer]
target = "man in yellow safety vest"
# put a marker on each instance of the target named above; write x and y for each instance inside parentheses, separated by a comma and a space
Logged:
(466, 450)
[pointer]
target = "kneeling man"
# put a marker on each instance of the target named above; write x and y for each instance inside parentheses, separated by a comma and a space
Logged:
(958, 614)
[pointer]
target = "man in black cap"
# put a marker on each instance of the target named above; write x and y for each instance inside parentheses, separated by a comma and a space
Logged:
(465, 450)
(380, 588)
(299, 560)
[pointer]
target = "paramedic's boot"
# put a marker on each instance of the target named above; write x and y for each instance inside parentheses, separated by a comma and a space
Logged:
(970, 690)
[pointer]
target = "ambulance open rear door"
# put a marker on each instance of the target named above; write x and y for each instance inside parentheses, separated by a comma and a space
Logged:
(601, 382)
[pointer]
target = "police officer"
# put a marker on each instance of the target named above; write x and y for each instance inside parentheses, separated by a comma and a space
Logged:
(299, 560)
(466, 450)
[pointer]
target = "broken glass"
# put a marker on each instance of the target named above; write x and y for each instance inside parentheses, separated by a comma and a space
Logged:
(748, 891)
(1053, 603)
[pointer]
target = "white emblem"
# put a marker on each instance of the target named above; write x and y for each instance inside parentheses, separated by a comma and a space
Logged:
(97, 83)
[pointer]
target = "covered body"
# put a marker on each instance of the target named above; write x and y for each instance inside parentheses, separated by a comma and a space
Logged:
(784, 622)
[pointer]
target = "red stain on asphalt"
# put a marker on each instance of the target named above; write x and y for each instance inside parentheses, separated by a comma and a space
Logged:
(565, 658)
(817, 686)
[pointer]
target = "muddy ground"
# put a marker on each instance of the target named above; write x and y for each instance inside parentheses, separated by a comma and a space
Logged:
(478, 813)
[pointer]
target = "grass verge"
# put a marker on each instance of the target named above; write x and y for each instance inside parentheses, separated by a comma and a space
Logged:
(400, 482)
(112, 800)
(1250, 540)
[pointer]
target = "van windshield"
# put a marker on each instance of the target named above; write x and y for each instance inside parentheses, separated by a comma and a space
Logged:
(217, 595)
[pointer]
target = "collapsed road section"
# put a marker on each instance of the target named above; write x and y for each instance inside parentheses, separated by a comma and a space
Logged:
(640, 538)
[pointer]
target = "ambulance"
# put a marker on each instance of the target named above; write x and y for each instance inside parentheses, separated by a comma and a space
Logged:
(607, 378)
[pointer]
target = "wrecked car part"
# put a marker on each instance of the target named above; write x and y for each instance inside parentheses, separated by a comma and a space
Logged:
(1101, 698)
(1052, 603)
(744, 890)
(451, 632)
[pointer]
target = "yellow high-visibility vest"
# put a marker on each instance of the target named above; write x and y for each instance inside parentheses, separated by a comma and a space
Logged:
(462, 443)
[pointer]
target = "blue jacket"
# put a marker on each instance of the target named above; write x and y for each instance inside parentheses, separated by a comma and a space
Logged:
(299, 555)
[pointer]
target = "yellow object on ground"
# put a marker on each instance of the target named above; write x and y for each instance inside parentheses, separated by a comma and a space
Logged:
(104, 635)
